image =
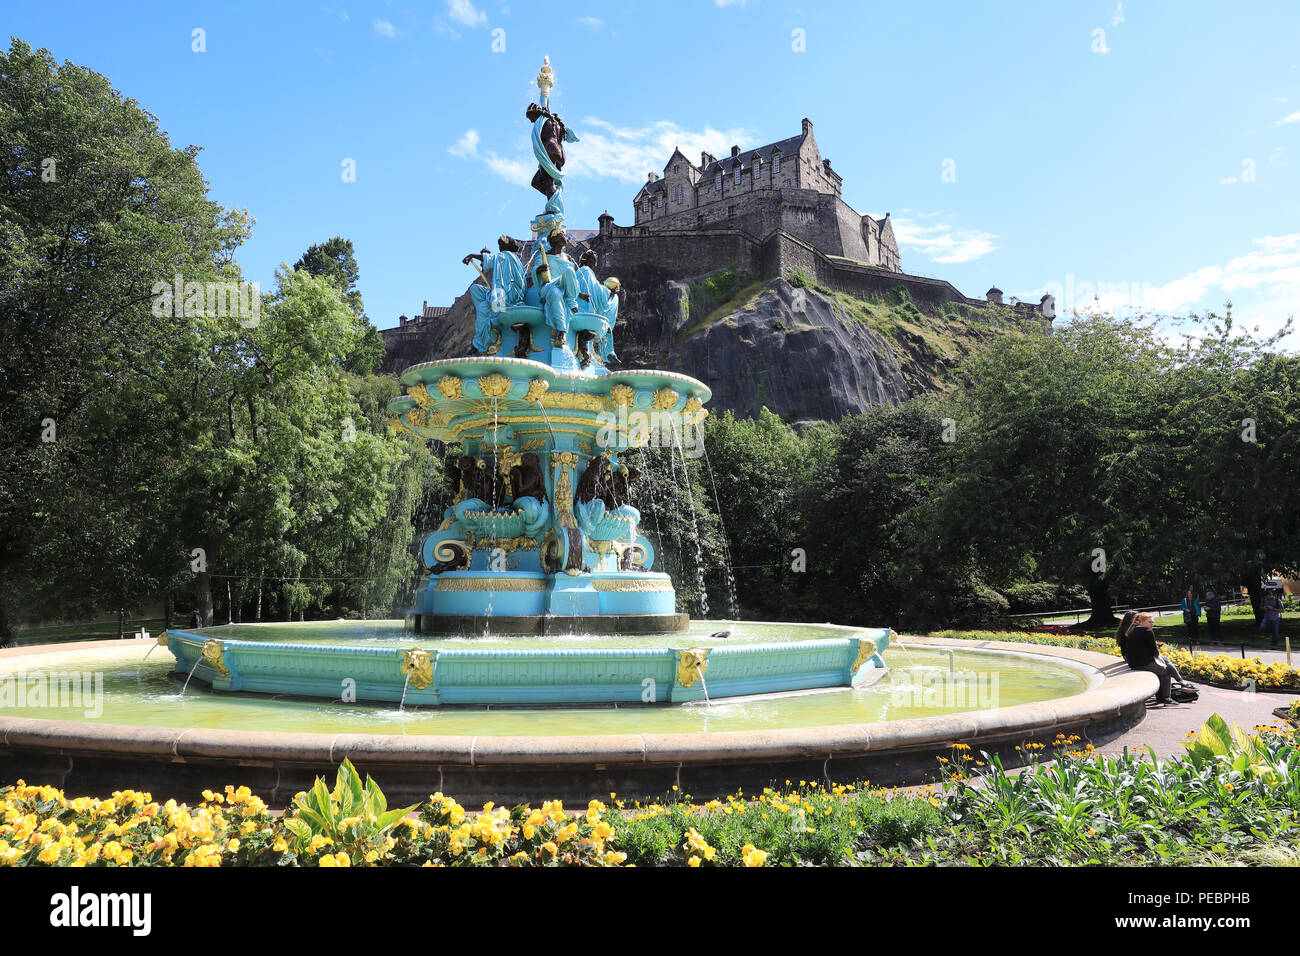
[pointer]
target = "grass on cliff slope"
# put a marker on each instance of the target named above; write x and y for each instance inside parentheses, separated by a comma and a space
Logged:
(717, 295)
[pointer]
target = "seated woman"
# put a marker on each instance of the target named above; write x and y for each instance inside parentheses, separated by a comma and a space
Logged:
(1137, 642)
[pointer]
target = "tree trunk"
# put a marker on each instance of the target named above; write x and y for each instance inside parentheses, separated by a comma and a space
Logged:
(121, 623)
(230, 605)
(1099, 600)
(169, 608)
(6, 632)
(1255, 588)
(257, 614)
(203, 584)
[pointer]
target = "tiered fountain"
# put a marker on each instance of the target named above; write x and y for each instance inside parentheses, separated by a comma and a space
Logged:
(541, 538)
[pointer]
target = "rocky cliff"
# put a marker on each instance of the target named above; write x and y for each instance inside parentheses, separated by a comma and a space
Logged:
(803, 350)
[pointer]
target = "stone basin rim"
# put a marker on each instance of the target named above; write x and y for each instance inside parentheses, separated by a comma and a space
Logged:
(1120, 692)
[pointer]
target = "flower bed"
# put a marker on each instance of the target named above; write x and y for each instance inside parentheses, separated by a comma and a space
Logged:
(1232, 798)
(1219, 670)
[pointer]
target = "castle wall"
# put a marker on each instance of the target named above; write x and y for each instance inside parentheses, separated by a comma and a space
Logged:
(679, 253)
(820, 218)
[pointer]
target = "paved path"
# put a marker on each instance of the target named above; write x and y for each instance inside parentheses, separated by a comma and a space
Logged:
(1165, 728)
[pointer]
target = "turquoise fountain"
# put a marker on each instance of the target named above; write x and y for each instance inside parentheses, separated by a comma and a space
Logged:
(541, 538)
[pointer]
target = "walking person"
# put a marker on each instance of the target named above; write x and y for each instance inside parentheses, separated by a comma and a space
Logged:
(1137, 642)
(1272, 618)
(1192, 618)
(1213, 615)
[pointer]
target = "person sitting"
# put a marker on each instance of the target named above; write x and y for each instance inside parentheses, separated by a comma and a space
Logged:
(1137, 642)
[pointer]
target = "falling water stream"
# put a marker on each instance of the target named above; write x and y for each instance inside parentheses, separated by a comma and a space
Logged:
(695, 527)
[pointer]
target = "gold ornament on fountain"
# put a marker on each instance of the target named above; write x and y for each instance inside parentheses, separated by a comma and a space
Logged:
(692, 664)
(494, 385)
(450, 386)
(664, 399)
(417, 667)
(622, 395)
(536, 389)
(421, 395)
(546, 80)
(212, 653)
(866, 649)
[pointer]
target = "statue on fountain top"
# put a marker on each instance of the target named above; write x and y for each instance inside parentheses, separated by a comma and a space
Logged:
(600, 298)
(503, 273)
(549, 136)
(555, 278)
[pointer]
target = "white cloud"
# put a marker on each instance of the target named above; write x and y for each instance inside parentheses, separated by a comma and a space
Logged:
(627, 153)
(385, 29)
(594, 23)
(1271, 269)
(467, 145)
(466, 14)
(941, 241)
(1292, 118)
(731, 3)
(515, 171)
(613, 152)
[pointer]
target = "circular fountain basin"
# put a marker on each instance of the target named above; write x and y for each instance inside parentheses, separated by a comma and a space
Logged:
(135, 728)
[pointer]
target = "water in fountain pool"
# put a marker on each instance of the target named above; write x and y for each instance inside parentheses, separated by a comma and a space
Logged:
(143, 692)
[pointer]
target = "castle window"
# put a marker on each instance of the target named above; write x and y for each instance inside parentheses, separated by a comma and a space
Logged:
(677, 169)
(646, 206)
(776, 164)
(785, 183)
(717, 182)
(737, 174)
(758, 169)
(660, 201)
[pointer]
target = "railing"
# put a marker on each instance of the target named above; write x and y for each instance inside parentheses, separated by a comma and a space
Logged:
(1079, 614)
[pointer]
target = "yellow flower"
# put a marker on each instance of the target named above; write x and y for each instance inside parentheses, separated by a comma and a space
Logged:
(752, 856)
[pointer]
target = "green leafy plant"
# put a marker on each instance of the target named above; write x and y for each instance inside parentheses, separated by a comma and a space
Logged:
(353, 816)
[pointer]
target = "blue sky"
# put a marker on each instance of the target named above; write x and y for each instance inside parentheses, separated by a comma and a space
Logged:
(1156, 163)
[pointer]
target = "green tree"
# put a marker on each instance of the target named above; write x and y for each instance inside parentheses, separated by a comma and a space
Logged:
(335, 260)
(96, 207)
(1058, 458)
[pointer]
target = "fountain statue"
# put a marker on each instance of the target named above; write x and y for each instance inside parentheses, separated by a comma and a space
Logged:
(542, 534)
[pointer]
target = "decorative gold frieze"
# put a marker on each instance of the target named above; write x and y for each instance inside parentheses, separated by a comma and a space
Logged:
(417, 667)
(532, 444)
(421, 395)
(622, 395)
(692, 664)
(577, 401)
(491, 584)
(584, 445)
(450, 386)
(641, 585)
